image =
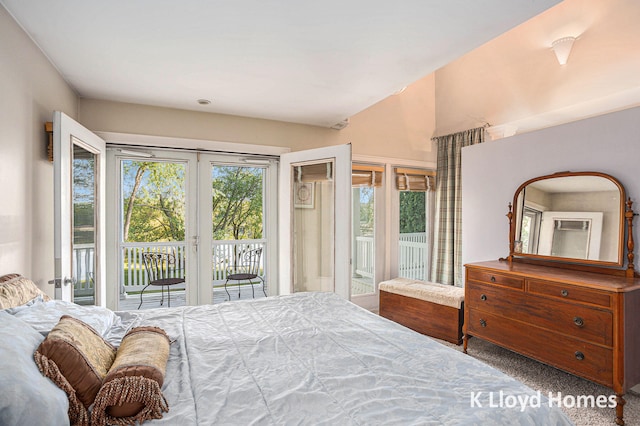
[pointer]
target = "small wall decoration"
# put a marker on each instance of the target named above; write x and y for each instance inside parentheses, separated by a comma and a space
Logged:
(303, 195)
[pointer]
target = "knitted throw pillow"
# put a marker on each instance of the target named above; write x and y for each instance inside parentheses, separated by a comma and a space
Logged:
(76, 358)
(132, 390)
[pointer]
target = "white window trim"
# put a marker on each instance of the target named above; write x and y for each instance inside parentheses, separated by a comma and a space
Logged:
(149, 141)
(391, 214)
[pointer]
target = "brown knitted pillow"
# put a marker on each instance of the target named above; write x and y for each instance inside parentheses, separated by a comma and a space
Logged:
(76, 358)
(132, 390)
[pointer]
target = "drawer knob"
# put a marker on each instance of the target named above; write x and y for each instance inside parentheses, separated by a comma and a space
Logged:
(483, 297)
(579, 355)
(564, 292)
(578, 321)
(493, 279)
(483, 323)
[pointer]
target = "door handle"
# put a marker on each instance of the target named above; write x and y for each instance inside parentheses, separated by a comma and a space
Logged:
(57, 282)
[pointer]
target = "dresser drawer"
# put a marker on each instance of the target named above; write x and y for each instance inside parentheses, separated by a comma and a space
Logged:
(580, 321)
(587, 360)
(499, 279)
(569, 292)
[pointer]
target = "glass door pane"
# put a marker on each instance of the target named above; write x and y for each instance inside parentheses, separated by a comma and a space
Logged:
(313, 226)
(363, 256)
(412, 241)
(154, 204)
(238, 238)
(315, 221)
(84, 224)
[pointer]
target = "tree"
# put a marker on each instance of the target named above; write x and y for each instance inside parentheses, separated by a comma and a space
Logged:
(155, 205)
(154, 201)
(237, 203)
(412, 212)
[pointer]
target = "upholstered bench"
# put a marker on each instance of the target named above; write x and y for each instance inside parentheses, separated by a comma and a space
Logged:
(428, 308)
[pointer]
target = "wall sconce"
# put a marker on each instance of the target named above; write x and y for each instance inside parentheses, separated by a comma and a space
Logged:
(562, 48)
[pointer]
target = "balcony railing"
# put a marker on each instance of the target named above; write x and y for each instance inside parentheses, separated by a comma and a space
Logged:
(412, 261)
(133, 275)
(83, 265)
(412, 256)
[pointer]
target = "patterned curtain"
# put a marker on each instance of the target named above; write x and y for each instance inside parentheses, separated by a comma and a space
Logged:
(446, 262)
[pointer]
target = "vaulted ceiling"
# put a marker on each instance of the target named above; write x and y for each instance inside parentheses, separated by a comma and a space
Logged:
(311, 62)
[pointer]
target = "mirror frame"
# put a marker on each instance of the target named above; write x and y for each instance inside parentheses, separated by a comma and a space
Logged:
(513, 216)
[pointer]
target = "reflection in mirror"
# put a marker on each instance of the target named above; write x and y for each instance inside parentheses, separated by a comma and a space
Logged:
(574, 216)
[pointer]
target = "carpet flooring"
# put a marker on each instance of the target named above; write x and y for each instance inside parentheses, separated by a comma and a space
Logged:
(547, 379)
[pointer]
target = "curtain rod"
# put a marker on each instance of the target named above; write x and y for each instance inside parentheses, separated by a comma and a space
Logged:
(484, 126)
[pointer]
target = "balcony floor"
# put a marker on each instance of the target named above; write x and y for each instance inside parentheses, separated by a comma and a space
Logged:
(360, 285)
(152, 300)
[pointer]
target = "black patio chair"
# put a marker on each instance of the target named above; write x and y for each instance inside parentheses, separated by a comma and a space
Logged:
(246, 268)
(160, 267)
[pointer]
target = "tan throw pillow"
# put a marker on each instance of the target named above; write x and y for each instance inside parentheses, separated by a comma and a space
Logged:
(16, 290)
(132, 390)
(77, 359)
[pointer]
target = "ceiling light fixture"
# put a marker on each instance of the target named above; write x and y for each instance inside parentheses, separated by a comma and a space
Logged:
(204, 101)
(562, 48)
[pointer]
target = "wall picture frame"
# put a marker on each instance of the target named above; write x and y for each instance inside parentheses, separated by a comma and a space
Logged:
(304, 195)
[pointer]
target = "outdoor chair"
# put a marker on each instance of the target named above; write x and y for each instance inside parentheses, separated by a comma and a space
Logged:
(246, 268)
(160, 267)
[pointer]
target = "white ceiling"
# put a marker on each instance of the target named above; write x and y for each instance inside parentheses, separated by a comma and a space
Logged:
(312, 62)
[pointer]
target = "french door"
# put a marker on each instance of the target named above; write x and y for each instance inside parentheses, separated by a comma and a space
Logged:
(155, 192)
(238, 210)
(315, 221)
(306, 205)
(79, 212)
(204, 209)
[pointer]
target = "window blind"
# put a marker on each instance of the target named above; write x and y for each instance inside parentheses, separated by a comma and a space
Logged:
(415, 179)
(366, 175)
(313, 172)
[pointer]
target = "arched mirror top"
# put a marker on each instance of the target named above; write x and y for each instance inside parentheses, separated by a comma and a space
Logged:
(576, 217)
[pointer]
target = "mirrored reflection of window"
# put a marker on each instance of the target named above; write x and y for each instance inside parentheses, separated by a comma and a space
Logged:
(530, 231)
(84, 229)
(571, 238)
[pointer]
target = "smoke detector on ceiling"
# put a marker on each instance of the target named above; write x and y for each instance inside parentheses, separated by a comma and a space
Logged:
(341, 124)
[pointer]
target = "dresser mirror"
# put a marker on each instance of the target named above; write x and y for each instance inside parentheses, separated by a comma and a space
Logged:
(574, 217)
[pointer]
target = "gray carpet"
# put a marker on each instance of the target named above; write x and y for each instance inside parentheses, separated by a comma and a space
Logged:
(548, 379)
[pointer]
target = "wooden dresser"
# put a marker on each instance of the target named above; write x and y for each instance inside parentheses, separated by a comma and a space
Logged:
(585, 323)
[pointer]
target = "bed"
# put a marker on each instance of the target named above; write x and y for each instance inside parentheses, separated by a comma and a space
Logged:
(306, 358)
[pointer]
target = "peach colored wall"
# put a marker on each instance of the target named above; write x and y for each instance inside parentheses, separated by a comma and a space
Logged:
(400, 126)
(31, 89)
(516, 78)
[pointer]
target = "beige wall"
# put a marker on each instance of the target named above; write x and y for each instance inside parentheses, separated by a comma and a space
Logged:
(31, 89)
(400, 126)
(516, 78)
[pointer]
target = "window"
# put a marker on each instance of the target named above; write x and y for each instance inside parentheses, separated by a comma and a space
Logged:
(366, 182)
(414, 222)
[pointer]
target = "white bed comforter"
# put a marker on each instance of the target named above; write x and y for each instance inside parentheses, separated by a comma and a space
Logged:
(316, 359)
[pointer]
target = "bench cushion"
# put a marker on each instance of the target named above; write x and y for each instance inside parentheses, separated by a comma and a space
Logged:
(441, 294)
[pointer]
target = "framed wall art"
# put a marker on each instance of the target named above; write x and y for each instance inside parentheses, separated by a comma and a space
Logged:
(304, 195)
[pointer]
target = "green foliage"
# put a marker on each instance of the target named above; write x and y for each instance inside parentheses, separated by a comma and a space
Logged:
(155, 203)
(412, 212)
(237, 203)
(367, 213)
